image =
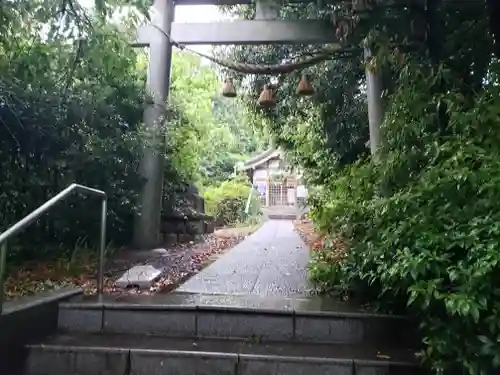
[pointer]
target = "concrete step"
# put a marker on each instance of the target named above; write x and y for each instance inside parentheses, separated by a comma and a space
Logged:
(146, 355)
(268, 318)
(281, 212)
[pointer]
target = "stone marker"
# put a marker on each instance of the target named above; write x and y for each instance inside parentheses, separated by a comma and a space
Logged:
(160, 251)
(139, 276)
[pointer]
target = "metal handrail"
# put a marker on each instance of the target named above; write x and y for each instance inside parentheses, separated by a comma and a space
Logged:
(35, 215)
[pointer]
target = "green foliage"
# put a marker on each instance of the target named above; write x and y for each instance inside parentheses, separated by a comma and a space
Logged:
(420, 226)
(229, 210)
(320, 132)
(71, 111)
(227, 201)
(68, 113)
(324, 273)
(210, 135)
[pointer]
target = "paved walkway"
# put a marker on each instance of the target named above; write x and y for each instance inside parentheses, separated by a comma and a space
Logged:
(272, 261)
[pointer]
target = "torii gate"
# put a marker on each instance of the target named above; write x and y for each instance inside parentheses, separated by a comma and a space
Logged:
(266, 28)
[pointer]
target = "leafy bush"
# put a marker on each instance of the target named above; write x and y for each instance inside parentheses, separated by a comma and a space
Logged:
(423, 228)
(417, 223)
(227, 201)
(229, 210)
(78, 121)
(69, 116)
(325, 270)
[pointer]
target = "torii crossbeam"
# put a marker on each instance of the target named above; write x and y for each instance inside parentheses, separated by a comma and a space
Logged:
(265, 29)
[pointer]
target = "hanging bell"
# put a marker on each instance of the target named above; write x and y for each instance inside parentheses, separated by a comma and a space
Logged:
(228, 90)
(266, 98)
(305, 88)
(343, 30)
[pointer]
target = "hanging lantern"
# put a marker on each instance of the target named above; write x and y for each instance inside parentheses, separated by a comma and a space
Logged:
(228, 90)
(266, 98)
(305, 88)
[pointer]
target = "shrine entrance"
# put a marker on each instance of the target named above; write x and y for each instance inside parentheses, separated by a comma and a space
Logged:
(162, 33)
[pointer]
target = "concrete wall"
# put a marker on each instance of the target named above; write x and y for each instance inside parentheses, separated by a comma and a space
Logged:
(25, 320)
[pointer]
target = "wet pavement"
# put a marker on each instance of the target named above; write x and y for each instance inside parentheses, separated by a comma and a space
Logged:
(249, 302)
(271, 262)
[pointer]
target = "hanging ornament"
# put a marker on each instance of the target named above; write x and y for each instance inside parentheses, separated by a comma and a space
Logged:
(343, 30)
(228, 90)
(305, 88)
(266, 98)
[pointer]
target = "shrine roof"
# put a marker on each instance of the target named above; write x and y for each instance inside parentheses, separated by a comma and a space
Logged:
(261, 158)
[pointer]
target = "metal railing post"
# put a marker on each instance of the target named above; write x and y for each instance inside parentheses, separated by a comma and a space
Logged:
(3, 266)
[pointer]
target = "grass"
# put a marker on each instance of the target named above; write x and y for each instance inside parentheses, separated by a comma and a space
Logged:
(237, 230)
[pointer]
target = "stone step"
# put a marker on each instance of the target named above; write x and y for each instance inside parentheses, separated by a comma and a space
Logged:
(145, 355)
(281, 212)
(296, 319)
(282, 216)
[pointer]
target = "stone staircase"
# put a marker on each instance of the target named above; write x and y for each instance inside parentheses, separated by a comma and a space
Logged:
(186, 334)
(281, 212)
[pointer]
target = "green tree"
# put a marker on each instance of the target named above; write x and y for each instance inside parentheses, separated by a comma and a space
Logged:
(70, 112)
(332, 122)
(420, 227)
(215, 134)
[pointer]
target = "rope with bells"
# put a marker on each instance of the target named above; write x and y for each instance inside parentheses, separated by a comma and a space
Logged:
(343, 28)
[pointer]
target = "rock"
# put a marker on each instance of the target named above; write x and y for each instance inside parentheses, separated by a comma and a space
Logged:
(139, 276)
(159, 251)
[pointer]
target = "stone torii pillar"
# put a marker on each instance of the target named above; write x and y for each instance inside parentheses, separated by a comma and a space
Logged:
(374, 90)
(147, 225)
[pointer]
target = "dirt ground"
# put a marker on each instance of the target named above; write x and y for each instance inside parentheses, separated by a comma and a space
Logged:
(309, 235)
(179, 263)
